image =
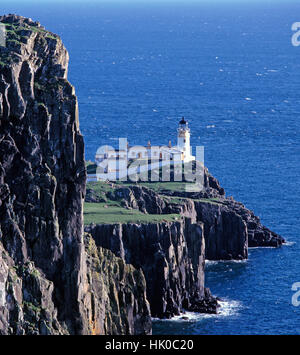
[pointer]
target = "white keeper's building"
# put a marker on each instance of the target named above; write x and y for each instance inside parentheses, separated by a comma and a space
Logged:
(114, 162)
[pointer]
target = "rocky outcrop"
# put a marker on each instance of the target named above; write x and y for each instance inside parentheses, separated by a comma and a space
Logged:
(172, 257)
(258, 235)
(229, 227)
(42, 172)
(141, 198)
(44, 284)
(117, 301)
(26, 300)
(226, 234)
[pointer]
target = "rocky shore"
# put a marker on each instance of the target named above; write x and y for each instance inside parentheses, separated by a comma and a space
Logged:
(56, 279)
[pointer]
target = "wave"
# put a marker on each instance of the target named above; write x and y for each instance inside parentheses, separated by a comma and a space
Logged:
(262, 247)
(286, 244)
(216, 262)
(227, 308)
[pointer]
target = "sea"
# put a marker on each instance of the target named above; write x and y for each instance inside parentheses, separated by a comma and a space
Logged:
(231, 70)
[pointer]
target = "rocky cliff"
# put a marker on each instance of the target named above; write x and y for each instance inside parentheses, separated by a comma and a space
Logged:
(229, 227)
(172, 254)
(172, 257)
(117, 301)
(48, 283)
(55, 280)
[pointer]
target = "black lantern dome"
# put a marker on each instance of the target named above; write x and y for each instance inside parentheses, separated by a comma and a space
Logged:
(183, 121)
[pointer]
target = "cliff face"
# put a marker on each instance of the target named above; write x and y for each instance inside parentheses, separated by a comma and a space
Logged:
(172, 257)
(226, 234)
(44, 288)
(229, 227)
(42, 171)
(117, 301)
(172, 254)
(225, 230)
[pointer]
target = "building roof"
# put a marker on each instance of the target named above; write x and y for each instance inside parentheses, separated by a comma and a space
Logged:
(183, 121)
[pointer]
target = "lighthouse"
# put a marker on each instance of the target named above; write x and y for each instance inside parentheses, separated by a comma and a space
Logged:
(183, 140)
(115, 161)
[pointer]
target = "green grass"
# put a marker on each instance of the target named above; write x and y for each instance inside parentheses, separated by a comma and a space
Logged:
(112, 211)
(171, 186)
(213, 201)
(15, 37)
(14, 31)
(180, 200)
(108, 213)
(175, 200)
(101, 187)
(13, 41)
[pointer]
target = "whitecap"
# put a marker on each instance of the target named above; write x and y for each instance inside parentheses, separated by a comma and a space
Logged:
(215, 262)
(288, 244)
(262, 248)
(226, 308)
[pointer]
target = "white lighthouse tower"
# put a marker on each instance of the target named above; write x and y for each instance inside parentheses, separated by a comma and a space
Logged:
(183, 140)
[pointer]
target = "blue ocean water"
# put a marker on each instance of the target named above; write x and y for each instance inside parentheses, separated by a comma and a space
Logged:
(232, 71)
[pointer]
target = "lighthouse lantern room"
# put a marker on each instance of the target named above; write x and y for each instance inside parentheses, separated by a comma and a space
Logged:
(183, 139)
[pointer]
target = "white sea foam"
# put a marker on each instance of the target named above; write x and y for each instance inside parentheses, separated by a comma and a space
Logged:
(227, 308)
(262, 248)
(288, 244)
(215, 262)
